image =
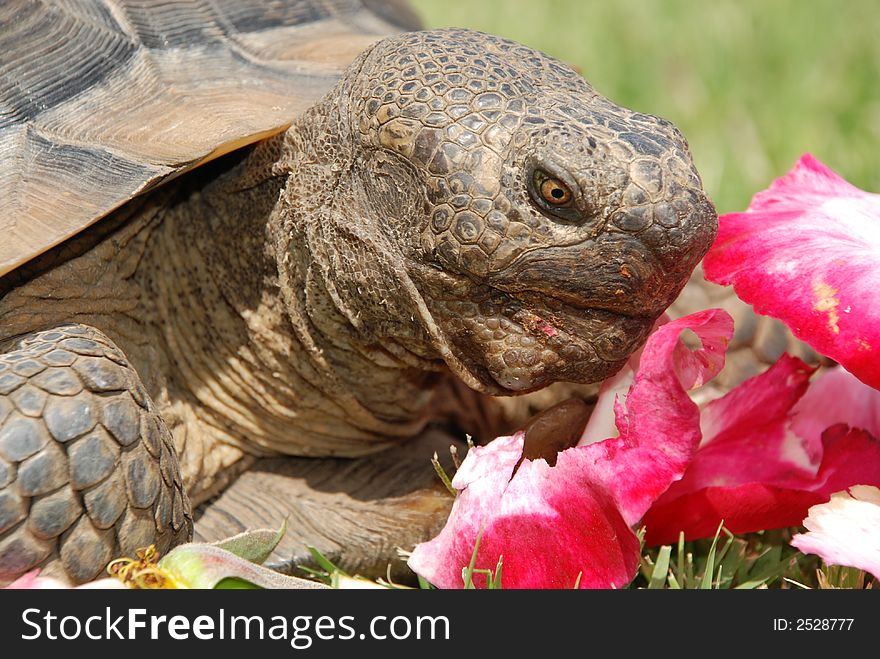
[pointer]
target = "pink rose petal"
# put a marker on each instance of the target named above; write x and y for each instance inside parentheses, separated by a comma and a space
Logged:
(835, 397)
(658, 424)
(764, 458)
(846, 530)
(33, 581)
(555, 525)
(807, 251)
(551, 525)
(481, 481)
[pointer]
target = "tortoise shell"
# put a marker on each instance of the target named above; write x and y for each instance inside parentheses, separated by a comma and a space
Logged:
(102, 101)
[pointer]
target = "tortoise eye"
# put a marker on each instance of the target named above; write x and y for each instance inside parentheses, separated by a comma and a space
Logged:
(555, 192)
(552, 190)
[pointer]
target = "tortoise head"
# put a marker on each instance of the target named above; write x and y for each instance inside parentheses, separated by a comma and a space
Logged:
(545, 228)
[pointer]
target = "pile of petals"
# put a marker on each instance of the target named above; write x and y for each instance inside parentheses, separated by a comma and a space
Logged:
(807, 251)
(771, 448)
(572, 522)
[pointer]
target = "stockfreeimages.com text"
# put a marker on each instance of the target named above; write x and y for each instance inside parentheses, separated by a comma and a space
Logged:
(300, 631)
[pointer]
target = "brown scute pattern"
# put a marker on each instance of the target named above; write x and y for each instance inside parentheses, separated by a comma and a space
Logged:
(69, 33)
(459, 104)
(87, 473)
(100, 101)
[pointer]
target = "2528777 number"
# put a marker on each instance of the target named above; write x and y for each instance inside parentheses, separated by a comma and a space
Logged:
(813, 624)
(823, 624)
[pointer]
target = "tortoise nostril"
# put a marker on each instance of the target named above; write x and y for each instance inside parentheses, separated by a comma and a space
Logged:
(685, 243)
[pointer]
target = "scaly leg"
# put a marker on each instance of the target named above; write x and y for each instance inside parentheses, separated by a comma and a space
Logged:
(88, 471)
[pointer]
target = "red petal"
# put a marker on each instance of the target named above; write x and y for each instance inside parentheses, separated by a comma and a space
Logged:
(658, 422)
(808, 252)
(746, 437)
(759, 469)
(555, 525)
(851, 457)
(744, 508)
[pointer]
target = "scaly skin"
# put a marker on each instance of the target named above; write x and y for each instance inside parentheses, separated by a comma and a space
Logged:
(311, 297)
(87, 469)
(412, 197)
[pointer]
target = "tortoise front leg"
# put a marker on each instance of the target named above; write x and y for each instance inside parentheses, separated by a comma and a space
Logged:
(88, 471)
(356, 511)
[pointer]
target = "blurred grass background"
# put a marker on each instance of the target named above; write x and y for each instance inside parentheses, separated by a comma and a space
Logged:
(751, 83)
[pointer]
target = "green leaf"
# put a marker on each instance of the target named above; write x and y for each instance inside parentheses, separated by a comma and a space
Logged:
(661, 568)
(733, 560)
(496, 579)
(679, 559)
(753, 560)
(441, 472)
(706, 582)
(468, 572)
(723, 553)
(840, 576)
(646, 566)
(254, 546)
(206, 566)
(640, 534)
(769, 565)
(234, 583)
(325, 563)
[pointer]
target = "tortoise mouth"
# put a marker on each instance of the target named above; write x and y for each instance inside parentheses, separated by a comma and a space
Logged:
(567, 341)
(508, 342)
(614, 273)
(517, 343)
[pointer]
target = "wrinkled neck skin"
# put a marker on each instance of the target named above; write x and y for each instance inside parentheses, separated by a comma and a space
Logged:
(347, 234)
(340, 233)
(386, 226)
(315, 339)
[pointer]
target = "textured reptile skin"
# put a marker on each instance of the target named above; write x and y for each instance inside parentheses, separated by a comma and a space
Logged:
(87, 469)
(437, 145)
(308, 297)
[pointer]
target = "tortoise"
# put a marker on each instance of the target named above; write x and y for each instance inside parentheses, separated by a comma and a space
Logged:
(254, 253)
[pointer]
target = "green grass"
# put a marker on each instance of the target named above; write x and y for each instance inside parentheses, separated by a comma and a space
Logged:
(754, 560)
(751, 83)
